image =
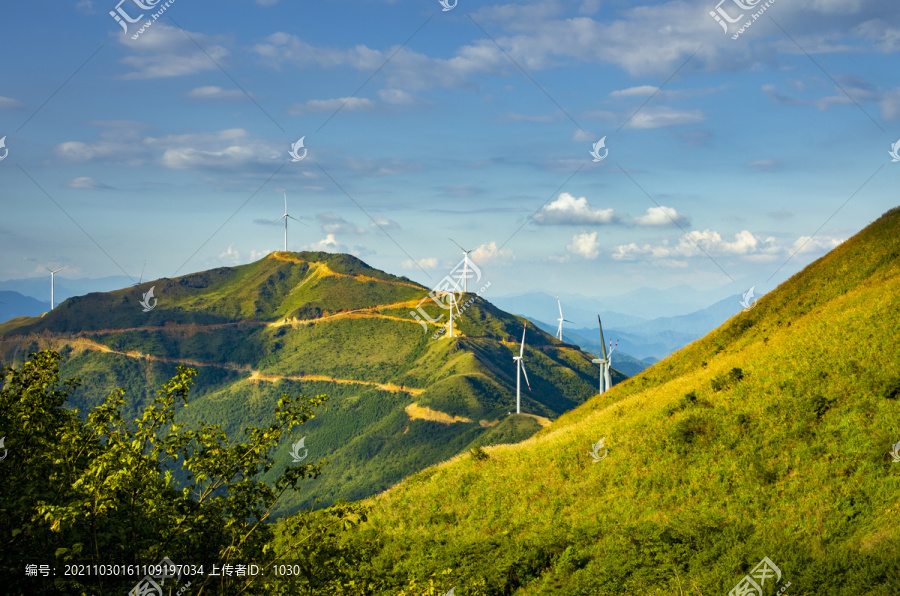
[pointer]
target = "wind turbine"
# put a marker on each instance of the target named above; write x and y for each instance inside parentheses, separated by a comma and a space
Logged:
(561, 320)
(285, 217)
(141, 280)
(52, 284)
(520, 367)
(605, 362)
(465, 265)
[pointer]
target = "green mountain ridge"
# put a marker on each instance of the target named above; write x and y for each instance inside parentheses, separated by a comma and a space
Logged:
(769, 437)
(315, 323)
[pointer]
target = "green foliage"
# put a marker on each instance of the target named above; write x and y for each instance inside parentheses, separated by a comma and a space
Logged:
(689, 400)
(479, 454)
(727, 379)
(102, 490)
(892, 388)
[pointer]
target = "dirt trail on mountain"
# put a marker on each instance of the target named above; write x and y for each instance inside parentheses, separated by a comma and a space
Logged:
(255, 375)
(369, 312)
(323, 269)
(189, 327)
(417, 412)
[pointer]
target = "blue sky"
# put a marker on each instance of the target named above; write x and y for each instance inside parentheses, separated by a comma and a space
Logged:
(726, 155)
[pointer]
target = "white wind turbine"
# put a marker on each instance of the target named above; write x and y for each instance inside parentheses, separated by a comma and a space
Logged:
(465, 265)
(285, 217)
(561, 320)
(520, 368)
(605, 362)
(52, 283)
(141, 280)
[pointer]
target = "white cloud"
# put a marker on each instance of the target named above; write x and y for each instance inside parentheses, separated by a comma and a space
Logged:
(335, 224)
(120, 141)
(85, 182)
(398, 97)
(403, 68)
(662, 94)
(164, 51)
(568, 210)
(213, 92)
(807, 244)
(233, 257)
(344, 104)
(9, 103)
(643, 90)
(124, 142)
(226, 149)
(764, 165)
(890, 105)
(326, 244)
(490, 252)
(427, 263)
(585, 244)
(583, 136)
(697, 243)
(885, 36)
(662, 216)
(384, 224)
(662, 116)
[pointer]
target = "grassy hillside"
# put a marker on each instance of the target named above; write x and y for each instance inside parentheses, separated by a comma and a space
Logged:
(316, 323)
(767, 438)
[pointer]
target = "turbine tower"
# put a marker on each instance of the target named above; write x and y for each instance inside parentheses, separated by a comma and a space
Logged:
(453, 304)
(52, 284)
(561, 320)
(520, 368)
(285, 217)
(605, 362)
(465, 265)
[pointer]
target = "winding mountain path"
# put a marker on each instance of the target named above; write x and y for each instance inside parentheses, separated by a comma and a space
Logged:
(255, 375)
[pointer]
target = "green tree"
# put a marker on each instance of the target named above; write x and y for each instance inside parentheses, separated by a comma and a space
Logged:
(101, 491)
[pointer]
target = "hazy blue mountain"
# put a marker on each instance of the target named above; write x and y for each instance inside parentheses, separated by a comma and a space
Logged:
(579, 309)
(14, 304)
(39, 287)
(625, 310)
(641, 342)
(697, 323)
(624, 362)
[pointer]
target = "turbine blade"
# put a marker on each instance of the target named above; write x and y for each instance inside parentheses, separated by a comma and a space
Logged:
(460, 247)
(559, 304)
(602, 340)
(522, 348)
(526, 375)
(297, 220)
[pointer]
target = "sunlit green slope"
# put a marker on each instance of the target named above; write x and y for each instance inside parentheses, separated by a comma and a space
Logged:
(770, 437)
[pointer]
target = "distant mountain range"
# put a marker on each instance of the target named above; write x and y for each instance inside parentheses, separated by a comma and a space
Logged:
(39, 289)
(641, 342)
(14, 304)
